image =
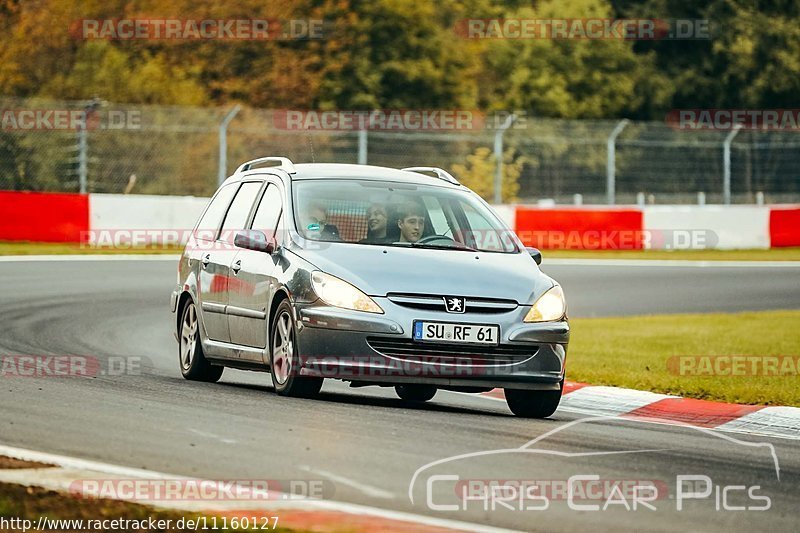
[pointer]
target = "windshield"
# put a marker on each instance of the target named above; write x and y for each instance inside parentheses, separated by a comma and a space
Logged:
(397, 214)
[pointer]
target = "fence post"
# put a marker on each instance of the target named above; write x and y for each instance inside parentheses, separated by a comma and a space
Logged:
(83, 144)
(611, 162)
(726, 164)
(222, 171)
(362, 147)
(498, 157)
(83, 156)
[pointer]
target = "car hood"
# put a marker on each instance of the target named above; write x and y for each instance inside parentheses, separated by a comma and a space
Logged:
(378, 270)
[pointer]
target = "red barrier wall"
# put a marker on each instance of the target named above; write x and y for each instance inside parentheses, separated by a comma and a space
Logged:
(784, 227)
(58, 217)
(43, 217)
(580, 229)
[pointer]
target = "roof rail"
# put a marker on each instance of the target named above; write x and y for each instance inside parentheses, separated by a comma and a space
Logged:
(285, 164)
(441, 174)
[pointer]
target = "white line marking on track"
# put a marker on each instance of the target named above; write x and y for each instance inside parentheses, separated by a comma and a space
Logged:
(349, 508)
(87, 257)
(80, 464)
(367, 490)
(212, 436)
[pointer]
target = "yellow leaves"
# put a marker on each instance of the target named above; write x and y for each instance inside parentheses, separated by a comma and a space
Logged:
(406, 54)
(478, 173)
(100, 69)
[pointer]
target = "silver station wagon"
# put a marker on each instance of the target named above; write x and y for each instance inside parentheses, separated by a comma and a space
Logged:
(371, 275)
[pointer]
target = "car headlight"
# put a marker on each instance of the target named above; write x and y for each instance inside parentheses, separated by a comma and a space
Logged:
(338, 293)
(550, 306)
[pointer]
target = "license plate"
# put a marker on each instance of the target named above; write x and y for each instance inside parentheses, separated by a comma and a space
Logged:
(452, 332)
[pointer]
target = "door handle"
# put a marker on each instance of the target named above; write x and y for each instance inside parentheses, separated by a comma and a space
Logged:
(237, 266)
(206, 260)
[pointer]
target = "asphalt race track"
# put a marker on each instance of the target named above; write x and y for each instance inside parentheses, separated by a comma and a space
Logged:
(364, 443)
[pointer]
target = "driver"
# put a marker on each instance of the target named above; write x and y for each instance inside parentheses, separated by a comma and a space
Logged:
(411, 221)
(314, 225)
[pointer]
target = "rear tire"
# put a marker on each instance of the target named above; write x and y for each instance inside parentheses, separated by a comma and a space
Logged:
(415, 393)
(193, 362)
(533, 403)
(284, 358)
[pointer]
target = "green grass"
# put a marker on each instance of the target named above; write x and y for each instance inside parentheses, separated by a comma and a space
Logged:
(46, 248)
(635, 352)
(777, 254)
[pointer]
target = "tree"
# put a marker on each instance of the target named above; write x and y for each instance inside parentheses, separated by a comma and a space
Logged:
(398, 54)
(751, 60)
(478, 173)
(407, 54)
(575, 78)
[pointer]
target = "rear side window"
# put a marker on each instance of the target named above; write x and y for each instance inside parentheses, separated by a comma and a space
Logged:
(211, 220)
(236, 219)
(268, 212)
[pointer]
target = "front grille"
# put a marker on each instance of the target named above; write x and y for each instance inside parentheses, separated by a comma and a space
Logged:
(441, 353)
(434, 302)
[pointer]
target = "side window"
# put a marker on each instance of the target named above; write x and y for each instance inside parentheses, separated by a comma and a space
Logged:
(236, 219)
(476, 220)
(269, 211)
(483, 234)
(211, 220)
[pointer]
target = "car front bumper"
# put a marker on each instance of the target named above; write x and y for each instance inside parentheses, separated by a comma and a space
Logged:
(378, 349)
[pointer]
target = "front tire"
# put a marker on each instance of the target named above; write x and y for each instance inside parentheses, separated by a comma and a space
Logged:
(415, 393)
(284, 358)
(193, 362)
(533, 403)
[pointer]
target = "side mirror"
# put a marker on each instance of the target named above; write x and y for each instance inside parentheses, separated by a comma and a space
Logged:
(255, 240)
(536, 254)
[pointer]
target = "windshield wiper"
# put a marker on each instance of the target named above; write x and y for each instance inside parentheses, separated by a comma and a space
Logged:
(453, 246)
